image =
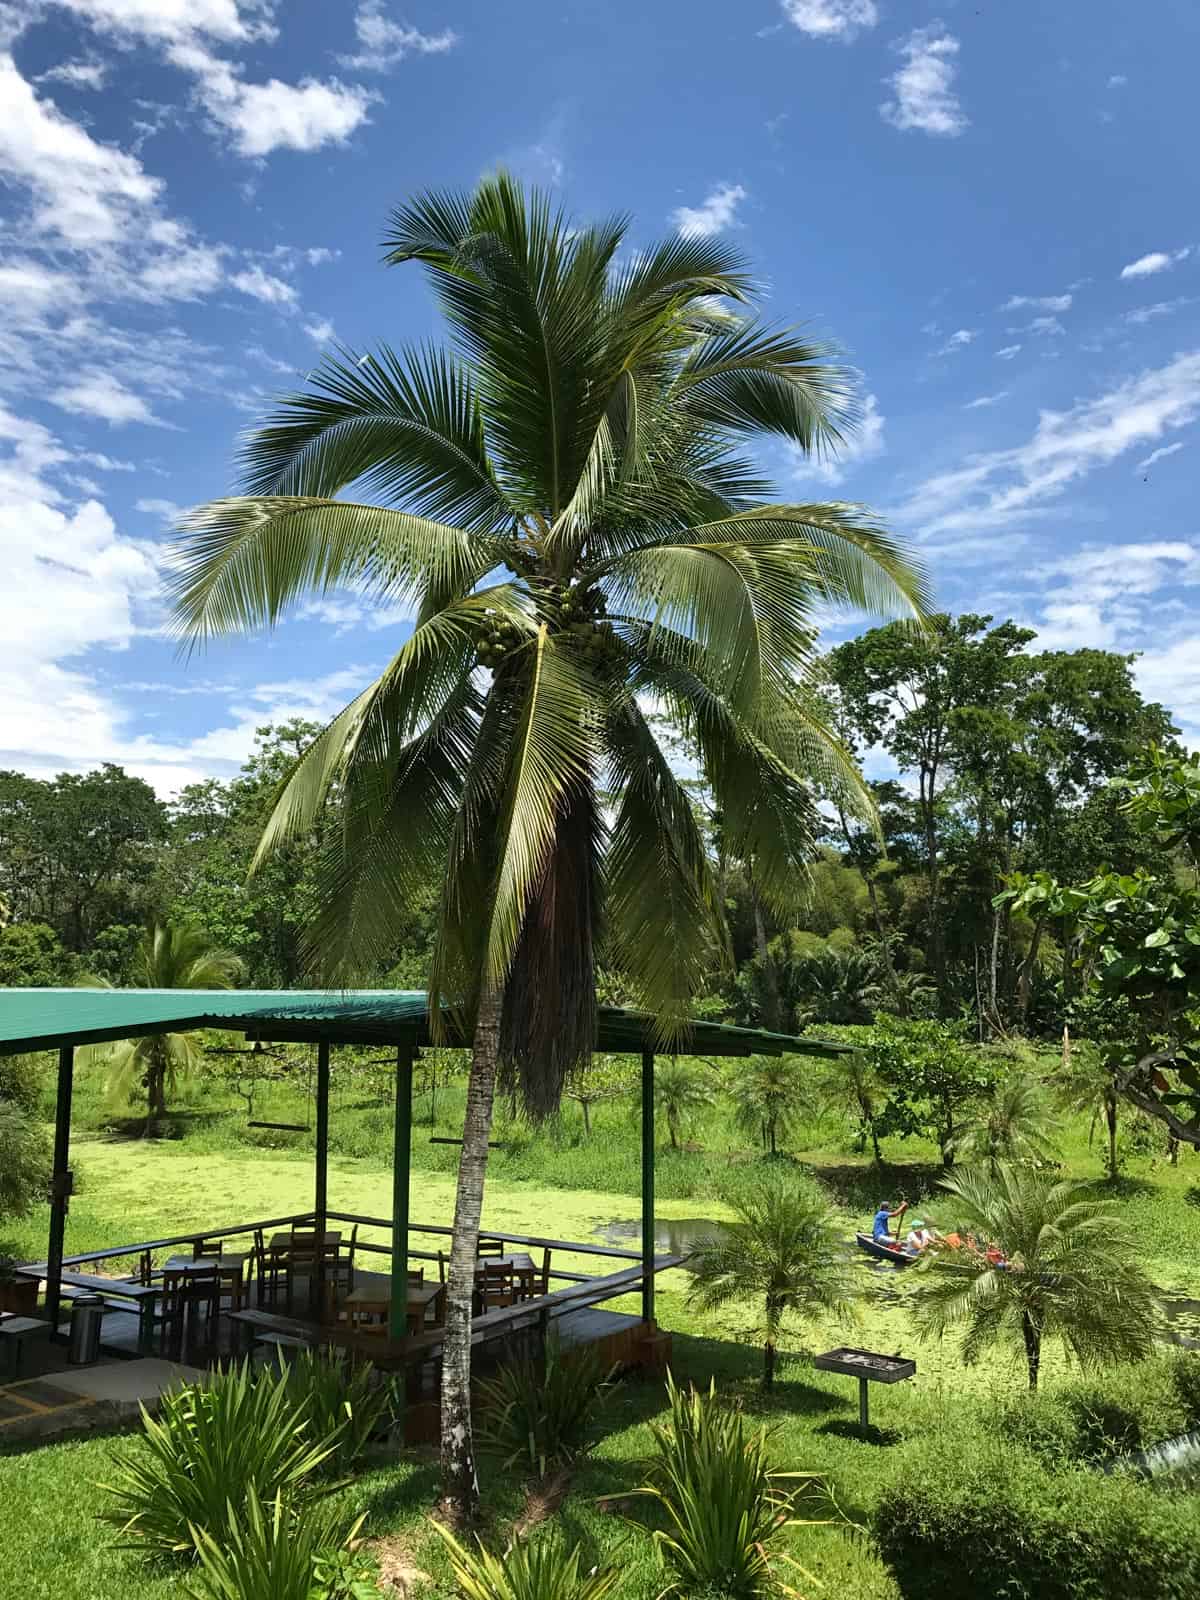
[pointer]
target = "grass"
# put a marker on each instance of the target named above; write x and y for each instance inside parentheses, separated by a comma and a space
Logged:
(554, 1181)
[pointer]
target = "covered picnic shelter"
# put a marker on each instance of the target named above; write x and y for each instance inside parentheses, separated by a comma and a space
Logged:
(63, 1019)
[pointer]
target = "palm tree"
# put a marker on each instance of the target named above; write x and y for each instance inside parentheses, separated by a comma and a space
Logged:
(768, 1095)
(851, 1082)
(679, 1093)
(559, 498)
(1072, 1272)
(784, 1250)
(1088, 1085)
(170, 956)
(1010, 1126)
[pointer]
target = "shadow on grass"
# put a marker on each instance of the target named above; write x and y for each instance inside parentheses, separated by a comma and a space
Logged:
(175, 1125)
(860, 1188)
(1124, 1188)
(843, 1428)
(402, 1492)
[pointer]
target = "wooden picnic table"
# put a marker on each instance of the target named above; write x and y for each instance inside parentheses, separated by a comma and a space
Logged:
(229, 1268)
(142, 1297)
(376, 1300)
(283, 1243)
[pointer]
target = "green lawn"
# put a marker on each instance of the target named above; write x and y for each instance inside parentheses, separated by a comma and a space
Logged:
(130, 1189)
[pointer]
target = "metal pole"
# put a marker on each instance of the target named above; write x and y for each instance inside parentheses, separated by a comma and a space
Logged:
(321, 1195)
(863, 1391)
(60, 1185)
(401, 1161)
(648, 1186)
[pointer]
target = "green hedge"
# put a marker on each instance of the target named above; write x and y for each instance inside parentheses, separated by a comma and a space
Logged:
(1095, 1420)
(995, 1521)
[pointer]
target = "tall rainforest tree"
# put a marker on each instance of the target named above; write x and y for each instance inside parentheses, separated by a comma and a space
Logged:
(559, 498)
(170, 956)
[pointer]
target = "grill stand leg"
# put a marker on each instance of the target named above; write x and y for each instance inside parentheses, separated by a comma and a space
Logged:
(863, 1404)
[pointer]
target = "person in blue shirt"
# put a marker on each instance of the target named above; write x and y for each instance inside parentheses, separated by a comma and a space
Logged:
(879, 1228)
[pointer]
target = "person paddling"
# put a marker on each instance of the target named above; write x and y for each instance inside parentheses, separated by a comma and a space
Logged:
(879, 1228)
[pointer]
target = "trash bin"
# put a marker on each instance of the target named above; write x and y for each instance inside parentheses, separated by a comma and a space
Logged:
(87, 1312)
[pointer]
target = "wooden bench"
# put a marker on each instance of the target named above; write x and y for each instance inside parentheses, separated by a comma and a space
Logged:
(118, 1294)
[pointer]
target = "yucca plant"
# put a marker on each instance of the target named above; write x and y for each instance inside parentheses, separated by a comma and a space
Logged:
(538, 1411)
(723, 1503)
(345, 1401)
(270, 1553)
(531, 1569)
(210, 1445)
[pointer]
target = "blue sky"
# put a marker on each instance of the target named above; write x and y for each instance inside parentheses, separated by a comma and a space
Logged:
(990, 207)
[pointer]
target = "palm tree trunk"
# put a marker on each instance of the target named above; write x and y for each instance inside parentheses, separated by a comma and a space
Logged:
(460, 1481)
(772, 1011)
(1110, 1117)
(769, 1347)
(156, 1096)
(672, 1124)
(1033, 1348)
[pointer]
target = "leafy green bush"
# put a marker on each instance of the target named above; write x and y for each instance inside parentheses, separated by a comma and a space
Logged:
(24, 1161)
(992, 1520)
(274, 1555)
(539, 1412)
(345, 1401)
(211, 1444)
(1096, 1420)
(723, 1504)
(539, 1569)
(1185, 1378)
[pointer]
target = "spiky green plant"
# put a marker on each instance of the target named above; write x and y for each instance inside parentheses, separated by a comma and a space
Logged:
(680, 1093)
(1013, 1124)
(170, 956)
(268, 1552)
(209, 1445)
(768, 1094)
(538, 1411)
(344, 1400)
(560, 499)
(530, 1569)
(783, 1253)
(725, 1507)
(1072, 1273)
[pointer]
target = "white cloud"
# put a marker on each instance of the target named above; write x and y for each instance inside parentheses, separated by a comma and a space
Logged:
(959, 340)
(103, 463)
(986, 400)
(320, 254)
(1009, 351)
(831, 19)
(384, 43)
(863, 444)
(1000, 487)
(166, 510)
(100, 394)
(1161, 308)
(1156, 261)
(1158, 455)
(1036, 302)
(1117, 81)
(1042, 327)
(925, 98)
(76, 74)
(263, 286)
(320, 330)
(186, 274)
(716, 212)
(84, 193)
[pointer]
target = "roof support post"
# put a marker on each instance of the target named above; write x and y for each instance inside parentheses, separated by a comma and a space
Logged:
(321, 1160)
(648, 1186)
(60, 1185)
(401, 1163)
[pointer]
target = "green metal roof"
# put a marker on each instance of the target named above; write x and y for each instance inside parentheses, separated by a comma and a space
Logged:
(43, 1019)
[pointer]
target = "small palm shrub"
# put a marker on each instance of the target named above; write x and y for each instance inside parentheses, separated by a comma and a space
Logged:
(346, 1402)
(210, 1445)
(271, 1554)
(723, 1504)
(539, 1569)
(538, 1412)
